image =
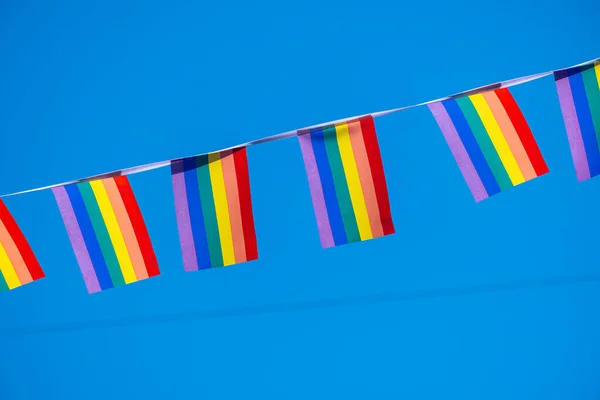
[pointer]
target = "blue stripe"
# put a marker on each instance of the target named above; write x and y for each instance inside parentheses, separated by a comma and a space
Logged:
(475, 154)
(89, 237)
(331, 201)
(586, 124)
(195, 207)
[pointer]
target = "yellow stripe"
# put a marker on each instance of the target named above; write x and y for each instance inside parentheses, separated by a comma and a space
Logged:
(498, 139)
(10, 275)
(357, 196)
(112, 226)
(221, 207)
(597, 68)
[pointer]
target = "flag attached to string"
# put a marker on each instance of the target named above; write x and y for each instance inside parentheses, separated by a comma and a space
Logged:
(579, 95)
(18, 264)
(347, 182)
(214, 209)
(490, 140)
(107, 232)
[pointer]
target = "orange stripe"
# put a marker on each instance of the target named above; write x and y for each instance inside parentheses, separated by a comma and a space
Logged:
(511, 135)
(14, 255)
(365, 176)
(133, 248)
(233, 201)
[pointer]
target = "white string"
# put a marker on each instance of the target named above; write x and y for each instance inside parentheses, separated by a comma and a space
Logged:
(296, 132)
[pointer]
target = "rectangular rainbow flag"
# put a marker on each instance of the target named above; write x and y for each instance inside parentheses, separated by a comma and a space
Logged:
(579, 95)
(214, 209)
(18, 264)
(347, 183)
(107, 232)
(490, 140)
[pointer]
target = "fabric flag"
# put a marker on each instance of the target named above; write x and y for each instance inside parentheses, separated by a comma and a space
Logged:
(107, 232)
(579, 95)
(347, 183)
(214, 209)
(490, 140)
(18, 264)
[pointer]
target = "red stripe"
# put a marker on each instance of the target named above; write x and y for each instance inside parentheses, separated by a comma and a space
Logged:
(139, 226)
(522, 127)
(17, 236)
(367, 126)
(240, 160)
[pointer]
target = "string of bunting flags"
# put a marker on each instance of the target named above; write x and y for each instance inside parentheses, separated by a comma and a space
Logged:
(486, 132)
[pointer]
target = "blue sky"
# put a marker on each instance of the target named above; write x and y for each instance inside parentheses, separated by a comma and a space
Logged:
(493, 300)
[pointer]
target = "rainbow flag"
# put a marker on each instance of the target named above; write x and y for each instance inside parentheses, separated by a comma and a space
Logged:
(18, 264)
(214, 209)
(579, 95)
(347, 182)
(490, 140)
(107, 232)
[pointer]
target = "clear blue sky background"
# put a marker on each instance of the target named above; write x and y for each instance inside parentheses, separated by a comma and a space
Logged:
(466, 301)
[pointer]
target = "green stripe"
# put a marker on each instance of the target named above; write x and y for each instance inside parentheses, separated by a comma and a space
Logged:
(484, 142)
(108, 250)
(3, 285)
(209, 212)
(593, 95)
(341, 185)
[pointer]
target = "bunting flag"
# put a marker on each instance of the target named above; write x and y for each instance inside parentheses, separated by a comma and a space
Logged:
(214, 209)
(347, 183)
(107, 232)
(18, 264)
(490, 140)
(579, 95)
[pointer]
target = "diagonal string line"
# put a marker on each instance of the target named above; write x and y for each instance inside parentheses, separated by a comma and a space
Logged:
(296, 132)
(348, 301)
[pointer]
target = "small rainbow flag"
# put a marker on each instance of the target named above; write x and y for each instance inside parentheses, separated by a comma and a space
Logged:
(490, 140)
(17, 261)
(579, 95)
(347, 182)
(107, 232)
(214, 209)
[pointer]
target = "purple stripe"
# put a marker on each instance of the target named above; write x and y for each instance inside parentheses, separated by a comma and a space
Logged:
(79, 247)
(458, 150)
(565, 97)
(316, 191)
(186, 239)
